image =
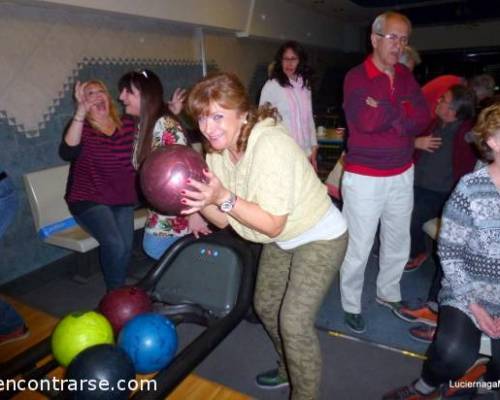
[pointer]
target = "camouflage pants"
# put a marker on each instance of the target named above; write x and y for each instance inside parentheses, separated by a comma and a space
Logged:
(291, 285)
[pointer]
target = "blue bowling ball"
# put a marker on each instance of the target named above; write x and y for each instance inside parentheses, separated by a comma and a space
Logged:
(150, 340)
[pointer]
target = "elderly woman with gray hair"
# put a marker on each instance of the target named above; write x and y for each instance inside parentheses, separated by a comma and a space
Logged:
(469, 300)
(410, 58)
(484, 87)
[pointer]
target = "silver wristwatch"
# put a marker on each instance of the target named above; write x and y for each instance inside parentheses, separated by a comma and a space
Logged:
(227, 205)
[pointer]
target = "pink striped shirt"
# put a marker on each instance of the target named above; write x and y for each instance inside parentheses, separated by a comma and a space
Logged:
(102, 171)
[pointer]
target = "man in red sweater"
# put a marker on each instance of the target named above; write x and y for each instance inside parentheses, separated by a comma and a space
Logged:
(385, 110)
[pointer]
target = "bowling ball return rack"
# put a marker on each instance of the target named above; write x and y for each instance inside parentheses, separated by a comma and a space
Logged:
(230, 259)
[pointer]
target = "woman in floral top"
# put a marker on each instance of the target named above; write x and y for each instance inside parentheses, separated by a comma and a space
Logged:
(142, 95)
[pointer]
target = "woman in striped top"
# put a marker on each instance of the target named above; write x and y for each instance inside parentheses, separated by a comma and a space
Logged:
(101, 191)
(142, 95)
(289, 90)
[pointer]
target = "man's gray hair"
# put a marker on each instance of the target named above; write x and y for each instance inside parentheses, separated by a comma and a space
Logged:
(379, 22)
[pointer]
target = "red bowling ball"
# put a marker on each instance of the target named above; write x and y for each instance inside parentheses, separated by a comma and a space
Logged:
(165, 173)
(121, 305)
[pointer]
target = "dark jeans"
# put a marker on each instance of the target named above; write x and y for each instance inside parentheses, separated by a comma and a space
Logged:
(455, 348)
(10, 320)
(113, 228)
(428, 204)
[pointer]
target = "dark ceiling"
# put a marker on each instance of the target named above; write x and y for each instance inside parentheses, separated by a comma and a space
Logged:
(391, 3)
(438, 12)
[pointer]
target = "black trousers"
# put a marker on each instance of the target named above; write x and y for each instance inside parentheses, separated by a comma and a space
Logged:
(436, 281)
(427, 204)
(455, 348)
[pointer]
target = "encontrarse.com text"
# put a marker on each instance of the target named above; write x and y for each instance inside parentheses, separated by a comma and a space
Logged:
(73, 385)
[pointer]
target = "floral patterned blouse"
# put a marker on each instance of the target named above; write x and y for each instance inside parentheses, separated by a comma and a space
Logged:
(165, 132)
(469, 245)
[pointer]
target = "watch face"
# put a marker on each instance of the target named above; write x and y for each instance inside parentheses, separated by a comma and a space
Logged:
(226, 206)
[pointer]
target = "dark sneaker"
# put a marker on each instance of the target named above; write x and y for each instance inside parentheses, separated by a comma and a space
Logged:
(416, 262)
(355, 322)
(421, 314)
(18, 333)
(271, 380)
(395, 306)
(423, 333)
(409, 392)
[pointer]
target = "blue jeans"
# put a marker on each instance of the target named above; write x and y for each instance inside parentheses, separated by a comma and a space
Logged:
(155, 246)
(113, 228)
(8, 204)
(10, 320)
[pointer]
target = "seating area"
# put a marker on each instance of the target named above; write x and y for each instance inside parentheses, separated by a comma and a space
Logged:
(53, 222)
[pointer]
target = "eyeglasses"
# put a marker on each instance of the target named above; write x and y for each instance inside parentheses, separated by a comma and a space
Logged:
(291, 59)
(393, 38)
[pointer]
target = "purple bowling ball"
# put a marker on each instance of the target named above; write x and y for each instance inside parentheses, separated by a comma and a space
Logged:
(121, 305)
(165, 173)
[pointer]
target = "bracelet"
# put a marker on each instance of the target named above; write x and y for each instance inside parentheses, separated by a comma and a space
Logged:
(78, 120)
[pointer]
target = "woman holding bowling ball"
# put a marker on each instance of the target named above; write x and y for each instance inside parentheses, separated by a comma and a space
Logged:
(261, 183)
(101, 191)
(141, 92)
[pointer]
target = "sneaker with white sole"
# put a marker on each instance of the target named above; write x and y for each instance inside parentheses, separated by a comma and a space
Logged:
(394, 306)
(271, 380)
(409, 392)
(423, 333)
(355, 322)
(423, 314)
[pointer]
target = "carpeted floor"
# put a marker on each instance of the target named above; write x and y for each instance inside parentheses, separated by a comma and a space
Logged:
(383, 327)
(351, 370)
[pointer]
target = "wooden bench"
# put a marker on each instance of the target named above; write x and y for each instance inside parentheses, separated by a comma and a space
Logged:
(431, 228)
(53, 221)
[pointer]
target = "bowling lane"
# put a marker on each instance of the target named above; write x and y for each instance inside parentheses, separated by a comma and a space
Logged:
(39, 323)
